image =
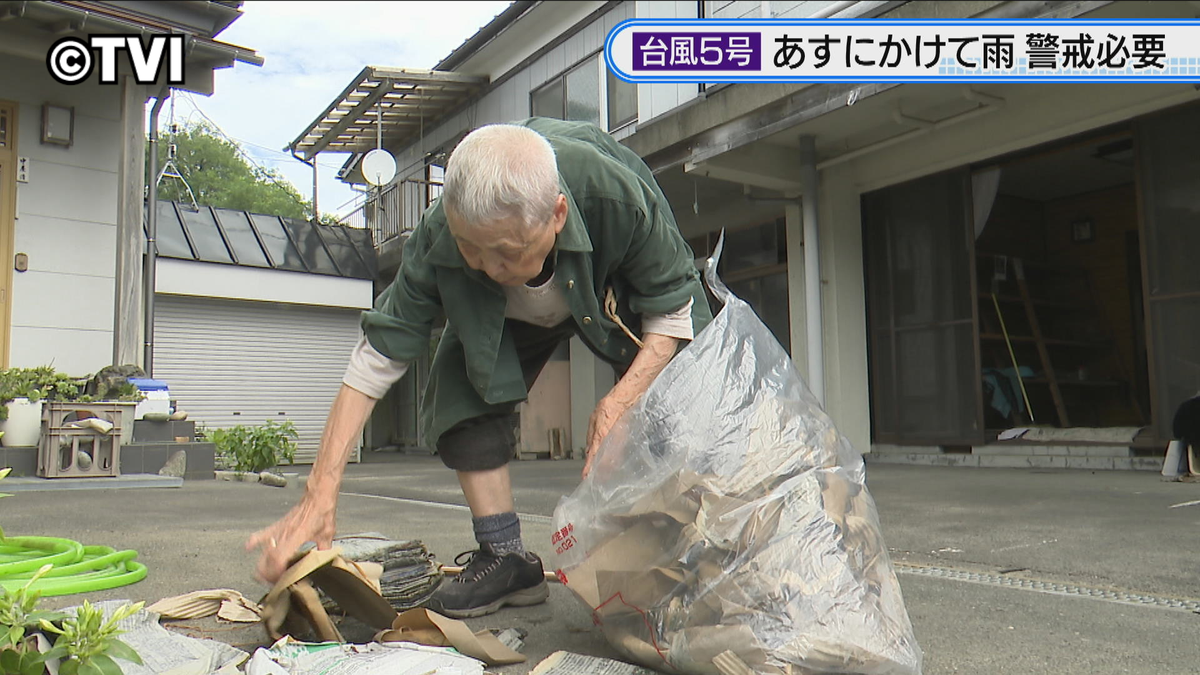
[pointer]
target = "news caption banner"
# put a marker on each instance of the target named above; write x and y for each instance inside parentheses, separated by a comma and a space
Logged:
(911, 50)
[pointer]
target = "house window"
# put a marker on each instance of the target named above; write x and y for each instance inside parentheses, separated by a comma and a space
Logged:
(583, 92)
(549, 100)
(587, 93)
(3, 128)
(622, 102)
(575, 95)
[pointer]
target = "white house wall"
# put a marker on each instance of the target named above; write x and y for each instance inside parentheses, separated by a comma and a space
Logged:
(1034, 115)
(510, 101)
(660, 98)
(62, 307)
(734, 9)
(526, 36)
(200, 279)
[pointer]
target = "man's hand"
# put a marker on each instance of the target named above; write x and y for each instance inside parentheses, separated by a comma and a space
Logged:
(606, 414)
(313, 519)
(656, 352)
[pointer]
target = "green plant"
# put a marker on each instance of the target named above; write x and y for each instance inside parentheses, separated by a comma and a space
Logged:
(255, 448)
(28, 661)
(88, 643)
(19, 655)
(35, 384)
(19, 612)
(44, 382)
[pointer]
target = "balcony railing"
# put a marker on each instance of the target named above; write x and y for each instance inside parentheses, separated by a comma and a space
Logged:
(395, 209)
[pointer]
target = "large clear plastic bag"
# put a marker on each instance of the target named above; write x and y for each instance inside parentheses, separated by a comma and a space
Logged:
(726, 524)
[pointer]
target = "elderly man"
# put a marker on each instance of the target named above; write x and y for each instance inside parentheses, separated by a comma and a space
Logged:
(541, 226)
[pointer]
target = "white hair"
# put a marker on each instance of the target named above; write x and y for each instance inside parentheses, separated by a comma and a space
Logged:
(501, 171)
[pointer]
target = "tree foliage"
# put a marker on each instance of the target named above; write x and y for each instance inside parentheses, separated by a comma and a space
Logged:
(219, 175)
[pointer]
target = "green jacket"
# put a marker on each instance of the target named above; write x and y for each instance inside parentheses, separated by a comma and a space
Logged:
(619, 232)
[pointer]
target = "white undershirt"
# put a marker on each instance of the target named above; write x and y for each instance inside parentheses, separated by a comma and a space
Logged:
(372, 373)
(544, 305)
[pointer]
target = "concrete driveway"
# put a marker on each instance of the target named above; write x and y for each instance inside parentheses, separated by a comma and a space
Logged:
(1003, 570)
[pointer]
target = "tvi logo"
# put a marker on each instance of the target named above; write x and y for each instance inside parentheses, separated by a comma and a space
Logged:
(70, 60)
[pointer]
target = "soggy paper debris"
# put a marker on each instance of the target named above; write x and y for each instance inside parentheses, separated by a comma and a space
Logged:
(568, 663)
(167, 653)
(290, 657)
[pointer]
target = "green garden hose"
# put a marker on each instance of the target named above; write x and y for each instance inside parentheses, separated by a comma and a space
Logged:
(75, 568)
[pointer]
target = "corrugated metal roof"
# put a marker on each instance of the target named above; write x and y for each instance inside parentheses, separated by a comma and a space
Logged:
(232, 237)
(397, 103)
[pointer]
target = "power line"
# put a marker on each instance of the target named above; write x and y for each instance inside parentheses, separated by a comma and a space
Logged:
(238, 143)
(284, 155)
(268, 173)
(196, 109)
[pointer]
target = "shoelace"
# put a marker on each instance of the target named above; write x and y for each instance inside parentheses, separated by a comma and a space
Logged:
(473, 575)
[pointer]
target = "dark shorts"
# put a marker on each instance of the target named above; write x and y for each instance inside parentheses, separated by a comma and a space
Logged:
(489, 441)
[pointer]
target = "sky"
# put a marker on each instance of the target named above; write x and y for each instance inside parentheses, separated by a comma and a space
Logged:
(311, 52)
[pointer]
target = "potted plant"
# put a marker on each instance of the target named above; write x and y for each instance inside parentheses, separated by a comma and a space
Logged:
(123, 394)
(25, 391)
(21, 397)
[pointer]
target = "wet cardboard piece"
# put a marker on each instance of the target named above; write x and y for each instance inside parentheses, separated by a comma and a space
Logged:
(294, 602)
(430, 628)
(634, 550)
(226, 603)
(306, 600)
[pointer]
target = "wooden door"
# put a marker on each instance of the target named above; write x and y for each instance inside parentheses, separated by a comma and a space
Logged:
(8, 214)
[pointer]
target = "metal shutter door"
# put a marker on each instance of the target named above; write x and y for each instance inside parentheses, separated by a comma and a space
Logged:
(232, 362)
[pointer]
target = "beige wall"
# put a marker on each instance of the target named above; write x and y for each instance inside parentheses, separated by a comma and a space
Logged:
(66, 223)
(548, 407)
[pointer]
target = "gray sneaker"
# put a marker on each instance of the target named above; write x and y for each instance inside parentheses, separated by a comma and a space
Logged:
(490, 582)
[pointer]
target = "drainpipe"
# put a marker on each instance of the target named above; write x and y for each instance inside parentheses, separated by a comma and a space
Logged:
(313, 164)
(152, 232)
(812, 268)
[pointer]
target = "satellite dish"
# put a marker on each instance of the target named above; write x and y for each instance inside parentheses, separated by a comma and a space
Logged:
(379, 167)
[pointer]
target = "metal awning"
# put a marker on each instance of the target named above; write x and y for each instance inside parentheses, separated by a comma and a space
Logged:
(408, 99)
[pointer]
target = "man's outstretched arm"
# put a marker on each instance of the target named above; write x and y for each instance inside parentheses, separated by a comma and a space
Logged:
(314, 517)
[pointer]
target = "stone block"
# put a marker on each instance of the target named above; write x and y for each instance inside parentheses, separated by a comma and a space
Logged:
(1101, 451)
(1146, 463)
(889, 449)
(1004, 450)
(1008, 461)
(1091, 463)
(201, 461)
(22, 460)
(162, 432)
(1051, 450)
